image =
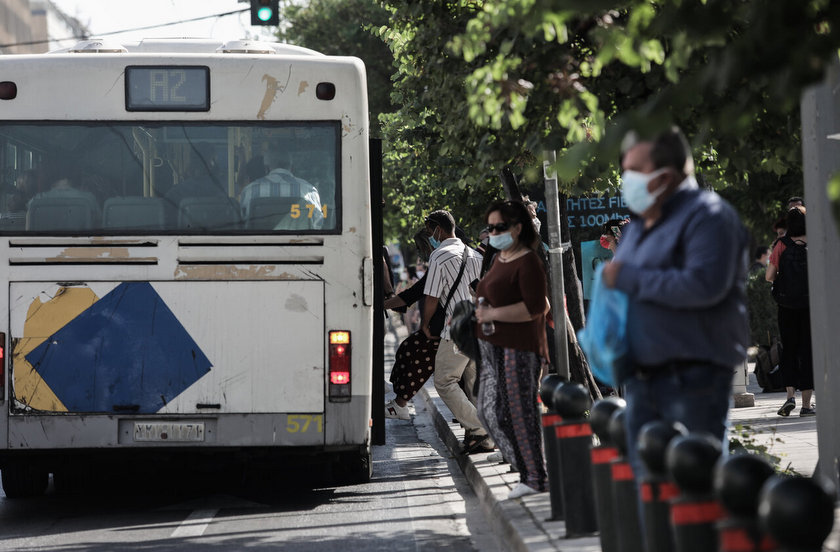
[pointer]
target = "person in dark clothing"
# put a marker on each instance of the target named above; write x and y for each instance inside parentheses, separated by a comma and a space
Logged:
(682, 263)
(794, 327)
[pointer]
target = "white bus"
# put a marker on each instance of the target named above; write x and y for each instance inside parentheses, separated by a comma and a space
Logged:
(185, 257)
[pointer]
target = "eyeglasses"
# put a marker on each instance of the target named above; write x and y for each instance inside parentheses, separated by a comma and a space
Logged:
(500, 227)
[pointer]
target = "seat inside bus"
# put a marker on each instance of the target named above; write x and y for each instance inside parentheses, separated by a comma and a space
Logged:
(61, 213)
(265, 213)
(209, 213)
(133, 213)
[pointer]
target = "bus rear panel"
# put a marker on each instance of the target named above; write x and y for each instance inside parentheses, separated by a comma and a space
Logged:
(189, 269)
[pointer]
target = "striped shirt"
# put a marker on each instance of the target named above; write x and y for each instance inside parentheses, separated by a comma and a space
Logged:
(444, 265)
(282, 183)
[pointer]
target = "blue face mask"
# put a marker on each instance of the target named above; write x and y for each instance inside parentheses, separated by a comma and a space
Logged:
(501, 241)
(434, 243)
(634, 189)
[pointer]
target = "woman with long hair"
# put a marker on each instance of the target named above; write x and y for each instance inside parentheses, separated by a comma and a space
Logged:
(512, 296)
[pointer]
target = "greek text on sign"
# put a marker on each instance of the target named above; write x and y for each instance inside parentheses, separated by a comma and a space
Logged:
(167, 431)
(586, 212)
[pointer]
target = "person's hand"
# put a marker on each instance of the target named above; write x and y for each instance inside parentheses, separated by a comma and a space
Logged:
(427, 333)
(610, 273)
(484, 313)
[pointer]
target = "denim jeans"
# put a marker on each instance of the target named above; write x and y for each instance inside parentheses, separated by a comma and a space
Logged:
(698, 396)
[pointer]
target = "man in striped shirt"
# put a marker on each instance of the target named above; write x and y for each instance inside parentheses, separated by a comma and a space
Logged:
(451, 365)
(280, 182)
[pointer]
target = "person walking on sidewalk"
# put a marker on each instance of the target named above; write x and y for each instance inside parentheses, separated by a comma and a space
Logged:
(683, 265)
(450, 364)
(512, 296)
(788, 270)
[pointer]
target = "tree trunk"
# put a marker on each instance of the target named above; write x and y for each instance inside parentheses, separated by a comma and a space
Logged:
(571, 283)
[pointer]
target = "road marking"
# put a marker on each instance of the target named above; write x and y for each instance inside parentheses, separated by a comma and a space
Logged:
(195, 524)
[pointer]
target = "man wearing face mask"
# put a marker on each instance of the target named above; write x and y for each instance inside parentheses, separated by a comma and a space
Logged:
(450, 365)
(683, 264)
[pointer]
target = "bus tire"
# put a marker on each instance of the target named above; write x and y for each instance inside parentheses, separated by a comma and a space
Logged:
(21, 480)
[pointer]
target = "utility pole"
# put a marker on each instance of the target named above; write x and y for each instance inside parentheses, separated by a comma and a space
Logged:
(555, 262)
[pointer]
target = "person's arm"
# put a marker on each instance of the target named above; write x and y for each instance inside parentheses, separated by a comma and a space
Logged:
(773, 264)
(432, 286)
(414, 293)
(714, 247)
(394, 302)
(430, 305)
(516, 312)
(387, 285)
(532, 284)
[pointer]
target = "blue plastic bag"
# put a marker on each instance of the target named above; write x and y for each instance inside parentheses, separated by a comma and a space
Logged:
(604, 339)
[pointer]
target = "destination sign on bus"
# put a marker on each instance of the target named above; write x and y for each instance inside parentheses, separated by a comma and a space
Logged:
(167, 88)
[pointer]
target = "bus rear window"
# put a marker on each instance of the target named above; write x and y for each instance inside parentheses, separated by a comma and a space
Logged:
(170, 178)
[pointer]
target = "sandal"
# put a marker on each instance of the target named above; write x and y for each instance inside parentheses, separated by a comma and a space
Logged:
(477, 444)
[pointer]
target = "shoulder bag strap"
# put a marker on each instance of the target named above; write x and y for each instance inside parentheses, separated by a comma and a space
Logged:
(457, 280)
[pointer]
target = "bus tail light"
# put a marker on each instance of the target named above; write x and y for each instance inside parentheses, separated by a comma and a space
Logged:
(2, 366)
(339, 367)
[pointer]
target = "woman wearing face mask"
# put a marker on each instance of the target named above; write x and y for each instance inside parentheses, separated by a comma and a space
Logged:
(513, 297)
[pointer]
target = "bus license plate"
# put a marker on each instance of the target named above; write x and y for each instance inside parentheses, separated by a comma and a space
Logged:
(166, 431)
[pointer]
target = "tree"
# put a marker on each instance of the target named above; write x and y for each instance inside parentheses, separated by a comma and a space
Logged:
(576, 75)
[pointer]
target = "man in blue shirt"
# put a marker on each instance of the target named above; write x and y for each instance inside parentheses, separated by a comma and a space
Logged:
(682, 262)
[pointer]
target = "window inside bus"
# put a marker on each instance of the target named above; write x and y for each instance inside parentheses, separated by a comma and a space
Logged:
(169, 178)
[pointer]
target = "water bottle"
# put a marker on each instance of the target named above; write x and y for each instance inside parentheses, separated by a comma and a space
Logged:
(488, 328)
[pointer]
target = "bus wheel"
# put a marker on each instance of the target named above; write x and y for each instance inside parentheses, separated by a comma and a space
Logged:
(21, 480)
(353, 468)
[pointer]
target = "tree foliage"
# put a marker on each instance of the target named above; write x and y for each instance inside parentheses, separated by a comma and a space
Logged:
(484, 84)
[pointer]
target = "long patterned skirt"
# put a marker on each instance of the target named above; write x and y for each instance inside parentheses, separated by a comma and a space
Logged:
(414, 364)
(507, 407)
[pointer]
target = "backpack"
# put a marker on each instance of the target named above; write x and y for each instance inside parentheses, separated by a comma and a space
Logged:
(767, 370)
(790, 288)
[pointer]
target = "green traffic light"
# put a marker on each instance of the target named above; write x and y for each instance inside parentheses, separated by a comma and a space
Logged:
(264, 14)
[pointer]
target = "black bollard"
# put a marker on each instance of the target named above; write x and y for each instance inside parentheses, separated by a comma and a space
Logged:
(656, 489)
(625, 496)
(549, 420)
(573, 441)
(797, 512)
(602, 455)
(738, 481)
(691, 461)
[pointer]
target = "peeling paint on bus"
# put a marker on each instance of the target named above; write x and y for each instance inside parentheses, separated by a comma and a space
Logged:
(226, 272)
(94, 252)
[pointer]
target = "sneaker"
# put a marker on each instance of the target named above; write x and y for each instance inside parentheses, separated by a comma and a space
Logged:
(496, 457)
(521, 490)
(395, 411)
(786, 408)
(805, 412)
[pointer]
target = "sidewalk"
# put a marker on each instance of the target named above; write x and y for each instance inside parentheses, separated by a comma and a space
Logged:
(522, 524)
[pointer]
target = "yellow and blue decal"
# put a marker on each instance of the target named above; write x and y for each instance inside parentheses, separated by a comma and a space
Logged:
(126, 352)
